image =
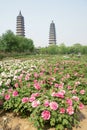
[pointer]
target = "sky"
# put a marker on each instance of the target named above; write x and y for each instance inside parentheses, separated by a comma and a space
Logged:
(69, 16)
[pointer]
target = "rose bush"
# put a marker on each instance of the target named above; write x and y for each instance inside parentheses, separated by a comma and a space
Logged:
(47, 90)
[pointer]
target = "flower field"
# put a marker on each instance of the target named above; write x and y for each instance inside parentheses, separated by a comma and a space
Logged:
(49, 90)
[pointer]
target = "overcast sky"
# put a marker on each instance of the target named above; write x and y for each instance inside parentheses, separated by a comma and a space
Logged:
(69, 16)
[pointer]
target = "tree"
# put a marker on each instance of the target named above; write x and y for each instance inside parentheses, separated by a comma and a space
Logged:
(9, 42)
(12, 43)
(24, 44)
(62, 49)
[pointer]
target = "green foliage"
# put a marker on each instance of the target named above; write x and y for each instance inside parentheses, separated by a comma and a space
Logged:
(8, 41)
(12, 43)
(62, 49)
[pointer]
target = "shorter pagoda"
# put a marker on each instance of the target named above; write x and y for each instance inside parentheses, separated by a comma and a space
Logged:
(52, 34)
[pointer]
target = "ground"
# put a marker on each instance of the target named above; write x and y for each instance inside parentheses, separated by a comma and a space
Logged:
(8, 121)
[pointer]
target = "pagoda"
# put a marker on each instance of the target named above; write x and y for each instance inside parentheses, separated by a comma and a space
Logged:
(20, 29)
(52, 34)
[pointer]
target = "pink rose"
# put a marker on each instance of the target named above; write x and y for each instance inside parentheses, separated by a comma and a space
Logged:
(69, 87)
(82, 91)
(16, 85)
(36, 75)
(74, 91)
(60, 94)
(77, 83)
(35, 94)
(35, 103)
(53, 94)
(81, 106)
(15, 93)
(62, 110)
(27, 77)
(46, 103)
(75, 98)
(37, 86)
(25, 99)
(45, 115)
(53, 105)
(59, 85)
(70, 110)
(31, 99)
(69, 102)
(56, 85)
(7, 97)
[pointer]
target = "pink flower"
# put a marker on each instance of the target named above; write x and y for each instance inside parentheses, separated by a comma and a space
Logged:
(77, 83)
(37, 86)
(27, 77)
(7, 97)
(53, 94)
(75, 98)
(53, 79)
(56, 85)
(25, 99)
(81, 106)
(55, 70)
(36, 75)
(70, 110)
(35, 94)
(69, 102)
(74, 91)
(16, 85)
(82, 92)
(59, 85)
(15, 93)
(45, 115)
(35, 103)
(60, 94)
(53, 105)
(31, 99)
(46, 103)
(68, 87)
(20, 77)
(62, 110)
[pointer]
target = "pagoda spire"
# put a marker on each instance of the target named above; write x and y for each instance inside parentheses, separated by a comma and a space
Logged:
(20, 13)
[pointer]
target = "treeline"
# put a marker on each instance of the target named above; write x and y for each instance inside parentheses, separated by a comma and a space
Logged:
(63, 49)
(9, 42)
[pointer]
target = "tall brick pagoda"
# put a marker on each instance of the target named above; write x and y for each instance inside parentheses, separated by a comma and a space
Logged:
(52, 34)
(20, 29)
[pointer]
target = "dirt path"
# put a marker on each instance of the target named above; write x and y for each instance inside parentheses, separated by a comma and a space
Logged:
(17, 123)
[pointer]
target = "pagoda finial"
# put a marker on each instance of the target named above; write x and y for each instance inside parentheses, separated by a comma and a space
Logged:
(20, 13)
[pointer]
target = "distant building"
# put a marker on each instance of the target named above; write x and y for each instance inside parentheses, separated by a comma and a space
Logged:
(52, 34)
(20, 29)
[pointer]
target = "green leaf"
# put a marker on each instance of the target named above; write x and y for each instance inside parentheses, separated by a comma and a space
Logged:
(59, 127)
(65, 122)
(52, 122)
